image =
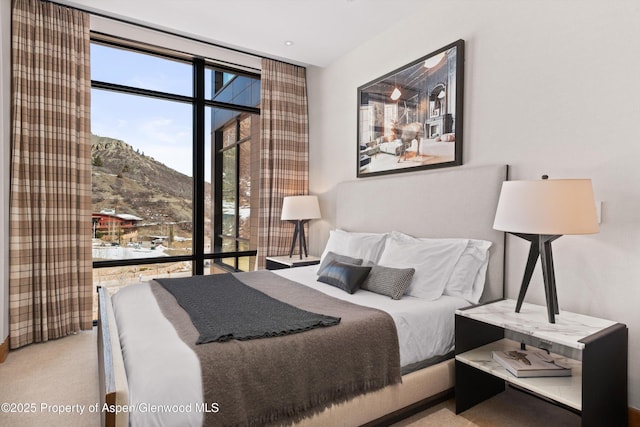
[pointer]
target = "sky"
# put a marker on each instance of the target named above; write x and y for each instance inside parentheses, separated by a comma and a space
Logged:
(158, 128)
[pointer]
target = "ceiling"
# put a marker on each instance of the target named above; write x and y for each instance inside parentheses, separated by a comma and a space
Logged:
(321, 30)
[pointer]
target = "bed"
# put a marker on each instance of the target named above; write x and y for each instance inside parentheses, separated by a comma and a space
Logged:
(435, 214)
(394, 147)
(433, 147)
(425, 147)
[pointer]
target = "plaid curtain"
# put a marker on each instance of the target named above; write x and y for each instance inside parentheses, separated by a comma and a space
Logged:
(50, 286)
(284, 153)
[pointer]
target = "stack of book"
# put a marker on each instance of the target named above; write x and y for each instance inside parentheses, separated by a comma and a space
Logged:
(531, 363)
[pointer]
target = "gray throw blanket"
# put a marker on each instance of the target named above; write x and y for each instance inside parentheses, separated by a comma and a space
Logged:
(223, 308)
(280, 380)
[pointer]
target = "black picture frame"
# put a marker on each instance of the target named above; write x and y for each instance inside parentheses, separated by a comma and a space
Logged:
(411, 118)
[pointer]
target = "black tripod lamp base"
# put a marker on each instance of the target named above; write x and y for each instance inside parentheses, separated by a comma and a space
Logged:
(298, 234)
(540, 248)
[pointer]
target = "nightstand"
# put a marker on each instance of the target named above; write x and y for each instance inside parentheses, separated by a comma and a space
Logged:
(595, 349)
(279, 262)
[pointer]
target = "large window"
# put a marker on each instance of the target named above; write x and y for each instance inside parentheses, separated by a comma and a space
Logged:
(174, 146)
(236, 160)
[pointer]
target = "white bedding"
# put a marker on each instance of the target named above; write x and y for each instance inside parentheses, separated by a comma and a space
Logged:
(154, 356)
(425, 328)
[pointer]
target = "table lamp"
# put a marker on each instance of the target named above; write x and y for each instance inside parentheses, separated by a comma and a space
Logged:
(541, 212)
(299, 210)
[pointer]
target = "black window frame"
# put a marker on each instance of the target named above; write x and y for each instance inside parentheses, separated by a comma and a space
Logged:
(199, 102)
(220, 148)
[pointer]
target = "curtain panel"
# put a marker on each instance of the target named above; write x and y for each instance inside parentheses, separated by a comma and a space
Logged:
(284, 152)
(50, 285)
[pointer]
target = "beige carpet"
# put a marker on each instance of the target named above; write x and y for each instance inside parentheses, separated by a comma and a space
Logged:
(55, 379)
(59, 379)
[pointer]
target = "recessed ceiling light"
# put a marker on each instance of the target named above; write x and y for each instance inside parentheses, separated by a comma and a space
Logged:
(288, 43)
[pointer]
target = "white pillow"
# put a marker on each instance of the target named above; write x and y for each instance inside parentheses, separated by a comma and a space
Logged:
(365, 246)
(469, 274)
(433, 260)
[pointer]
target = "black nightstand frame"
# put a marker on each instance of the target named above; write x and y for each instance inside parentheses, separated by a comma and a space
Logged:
(604, 372)
(281, 262)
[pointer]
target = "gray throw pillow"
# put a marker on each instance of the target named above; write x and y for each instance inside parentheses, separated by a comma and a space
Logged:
(388, 281)
(332, 256)
(347, 277)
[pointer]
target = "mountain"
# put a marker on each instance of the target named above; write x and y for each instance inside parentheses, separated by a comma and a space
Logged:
(130, 182)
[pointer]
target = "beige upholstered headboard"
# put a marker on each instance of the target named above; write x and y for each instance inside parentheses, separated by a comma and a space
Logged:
(452, 202)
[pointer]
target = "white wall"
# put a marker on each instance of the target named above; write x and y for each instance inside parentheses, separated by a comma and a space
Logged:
(551, 87)
(5, 99)
(126, 31)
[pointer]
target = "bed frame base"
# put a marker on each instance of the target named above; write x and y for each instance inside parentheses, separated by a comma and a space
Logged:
(418, 391)
(411, 410)
(114, 389)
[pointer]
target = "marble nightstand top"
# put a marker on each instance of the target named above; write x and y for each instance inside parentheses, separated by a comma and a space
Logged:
(568, 330)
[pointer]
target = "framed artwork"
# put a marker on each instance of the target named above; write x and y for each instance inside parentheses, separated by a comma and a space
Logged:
(411, 118)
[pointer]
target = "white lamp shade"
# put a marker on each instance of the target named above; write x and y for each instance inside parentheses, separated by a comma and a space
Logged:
(300, 207)
(547, 206)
